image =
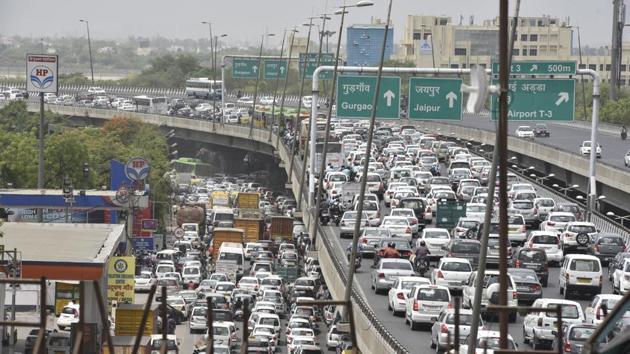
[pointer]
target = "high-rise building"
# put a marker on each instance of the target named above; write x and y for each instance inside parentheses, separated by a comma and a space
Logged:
(365, 42)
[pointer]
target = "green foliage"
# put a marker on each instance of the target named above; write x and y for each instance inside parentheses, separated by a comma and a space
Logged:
(170, 71)
(73, 79)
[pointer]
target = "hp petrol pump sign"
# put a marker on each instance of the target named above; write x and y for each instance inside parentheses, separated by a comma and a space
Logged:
(41, 73)
(137, 169)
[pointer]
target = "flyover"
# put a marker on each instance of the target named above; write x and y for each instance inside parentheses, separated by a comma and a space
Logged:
(372, 331)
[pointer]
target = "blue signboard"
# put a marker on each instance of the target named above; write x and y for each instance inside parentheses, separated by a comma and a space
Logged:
(143, 243)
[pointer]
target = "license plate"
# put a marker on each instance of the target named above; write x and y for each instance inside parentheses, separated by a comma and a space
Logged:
(584, 280)
(454, 283)
(522, 288)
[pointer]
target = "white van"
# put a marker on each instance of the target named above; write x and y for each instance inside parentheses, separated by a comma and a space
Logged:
(580, 273)
(231, 260)
(223, 217)
(167, 255)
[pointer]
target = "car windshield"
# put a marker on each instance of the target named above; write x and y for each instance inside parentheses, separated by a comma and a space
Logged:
(545, 239)
(475, 209)
(466, 247)
(399, 212)
(582, 229)
(436, 234)
(408, 285)
(568, 311)
(464, 319)
(515, 220)
(522, 205)
(545, 202)
(532, 256)
(396, 265)
(395, 222)
(562, 218)
(221, 331)
(200, 311)
(225, 287)
(412, 204)
(581, 334)
(191, 271)
(492, 343)
(456, 267)
(524, 277)
(467, 224)
(585, 265)
(611, 241)
(433, 294)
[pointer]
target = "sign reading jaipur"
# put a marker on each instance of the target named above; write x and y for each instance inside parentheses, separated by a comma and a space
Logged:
(120, 279)
(433, 98)
(41, 73)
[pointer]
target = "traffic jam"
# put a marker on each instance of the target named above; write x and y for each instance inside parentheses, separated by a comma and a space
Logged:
(239, 248)
(419, 244)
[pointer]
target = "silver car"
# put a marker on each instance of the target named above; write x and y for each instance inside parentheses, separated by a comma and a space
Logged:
(444, 328)
(346, 226)
(387, 271)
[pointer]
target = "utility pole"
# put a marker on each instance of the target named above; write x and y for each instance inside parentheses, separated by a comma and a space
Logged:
(615, 52)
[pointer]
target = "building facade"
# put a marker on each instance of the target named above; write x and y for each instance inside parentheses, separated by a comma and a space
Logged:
(365, 42)
(435, 41)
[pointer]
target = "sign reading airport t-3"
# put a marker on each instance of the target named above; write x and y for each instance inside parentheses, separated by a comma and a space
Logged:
(356, 93)
(546, 67)
(538, 99)
(245, 68)
(431, 98)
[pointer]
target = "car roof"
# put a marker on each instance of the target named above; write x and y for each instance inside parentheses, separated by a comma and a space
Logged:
(454, 259)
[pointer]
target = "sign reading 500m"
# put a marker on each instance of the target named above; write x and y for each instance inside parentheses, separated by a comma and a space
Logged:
(41, 73)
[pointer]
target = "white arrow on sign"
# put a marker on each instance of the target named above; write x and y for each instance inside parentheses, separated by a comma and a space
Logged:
(388, 95)
(562, 97)
(534, 67)
(254, 69)
(282, 70)
(451, 97)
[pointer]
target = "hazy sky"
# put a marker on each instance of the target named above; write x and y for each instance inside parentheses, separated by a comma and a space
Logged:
(245, 20)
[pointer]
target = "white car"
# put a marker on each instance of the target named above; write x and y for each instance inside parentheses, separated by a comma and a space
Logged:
(69, 315)
(490, 278)
(451, 273)
(424, 304)
(398, 226)
(621, 278)
(594, 313)
(556, 221)
(297, 342)
(580, 273)
(388, 270)
(577, 236)
(524, 131)
(626, 159)
(127, 107)
(96, 90)
(245, 100)
(397, 295)
(443, 330)
(409, 214)
(435, 238)
(585, 148)
(267, 101)
(487, 342)
(547, 241)
(539, 327)
(144, 281)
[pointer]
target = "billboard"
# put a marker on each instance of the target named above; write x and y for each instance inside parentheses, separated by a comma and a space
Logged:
(42, 73)
(120, 279)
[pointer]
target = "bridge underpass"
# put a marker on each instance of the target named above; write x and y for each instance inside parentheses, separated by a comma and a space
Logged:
(373, 334)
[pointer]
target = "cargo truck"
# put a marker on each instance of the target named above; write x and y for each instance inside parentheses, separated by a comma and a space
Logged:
(253, 228)
(281, 228)
(248, 201)
(224, 234)
(124, 345)
(129, 316)
(193, 214)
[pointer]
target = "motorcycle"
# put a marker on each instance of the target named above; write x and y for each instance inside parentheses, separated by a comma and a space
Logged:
(421, 265)
(624, 135)
(324, 217)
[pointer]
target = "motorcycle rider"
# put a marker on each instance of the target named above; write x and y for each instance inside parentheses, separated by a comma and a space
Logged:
(391, 251)
(624, 132)
(422, 253)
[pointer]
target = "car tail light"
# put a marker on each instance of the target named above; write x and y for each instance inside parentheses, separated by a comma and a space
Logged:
(408, 230)
(517, 264)
(514, 295)
(428, 209)
(540, 322)
(509, 252)
(440, 274)
(365, 240)
(449, 306)
(597, 248)
(598, 313)
(535, 287)
(381, 275)
(567, 347)
(343, 223)
(400, 296)
(415, 305)
(443, 328)
(522, 228)
(414, 221)
(623, 248)
(551, 223)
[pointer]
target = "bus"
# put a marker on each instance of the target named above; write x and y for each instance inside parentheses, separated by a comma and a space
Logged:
(146, 104)
(203, 87)
(192, 166)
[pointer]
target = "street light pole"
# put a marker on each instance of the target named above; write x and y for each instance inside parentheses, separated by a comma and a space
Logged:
(322, 165)
(251, 118)
(275, 89)
(87, 25)
(284, 89)
(368, 151)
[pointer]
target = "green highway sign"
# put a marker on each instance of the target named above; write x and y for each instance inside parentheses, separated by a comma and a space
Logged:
(546, 67)
(431, 98)
(538, 99)
(310, 63)
(275, 69)
(245, 68)
(355, 95)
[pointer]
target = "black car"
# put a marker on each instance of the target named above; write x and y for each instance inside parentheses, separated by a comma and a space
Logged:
(534, 259)
(419, 206)
(462, 248)
(403, 246)
(540, 130)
